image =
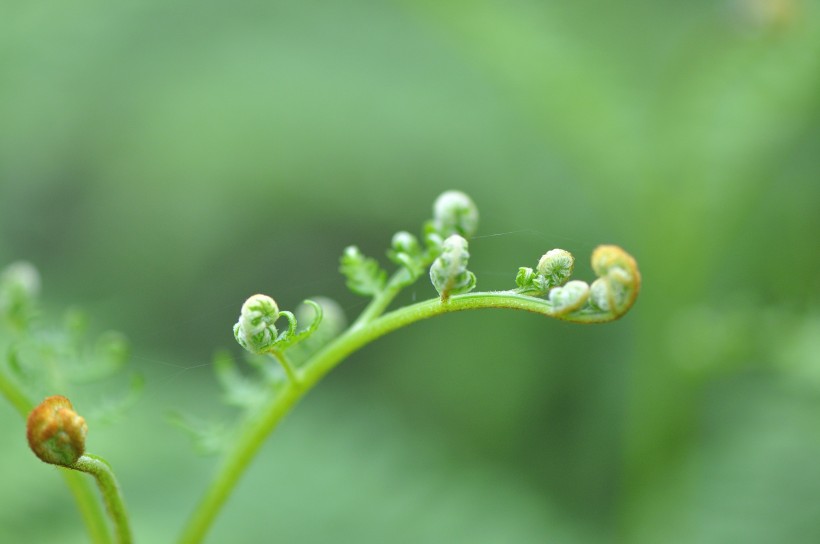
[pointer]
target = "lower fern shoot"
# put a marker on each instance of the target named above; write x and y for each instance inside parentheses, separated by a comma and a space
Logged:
(56, 434)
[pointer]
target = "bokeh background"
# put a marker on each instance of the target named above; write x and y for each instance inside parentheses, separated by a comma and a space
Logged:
(160, 161)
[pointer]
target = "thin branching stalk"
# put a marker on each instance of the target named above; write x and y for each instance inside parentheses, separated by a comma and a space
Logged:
(445, 256)
(258, 427)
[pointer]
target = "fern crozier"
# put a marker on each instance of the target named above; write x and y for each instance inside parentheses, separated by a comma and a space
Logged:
(55, 432)
(449, 272)
(455, 213)
(256, 330)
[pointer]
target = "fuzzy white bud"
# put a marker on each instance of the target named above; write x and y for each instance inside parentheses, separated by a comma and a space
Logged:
(449, 272)
(556, 266)
(455, 213)
(569, 297)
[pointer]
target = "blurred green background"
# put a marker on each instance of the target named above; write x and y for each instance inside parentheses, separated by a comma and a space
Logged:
(161, 161)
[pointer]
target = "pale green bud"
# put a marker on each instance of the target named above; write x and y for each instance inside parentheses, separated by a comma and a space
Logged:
(556, 266)
(455, 213)
(21, 276)
(569, 297)
(449, 272)
(525, 277)
(404, 242)
(255, 331)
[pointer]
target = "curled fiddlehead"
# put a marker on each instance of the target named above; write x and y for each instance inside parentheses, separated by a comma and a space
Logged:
(554, 269)
(619, 279)
(454, 213)
(256, 328)
(449, 272)
(607, 298)
(55, 432)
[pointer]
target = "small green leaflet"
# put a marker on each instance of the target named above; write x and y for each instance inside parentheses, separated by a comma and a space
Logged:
(364, 275)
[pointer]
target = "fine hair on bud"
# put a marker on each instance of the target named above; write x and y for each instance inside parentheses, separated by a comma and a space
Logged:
(449, 272)
(569, 297)
(21, 276)
(556, 266)
(405, 242)
(55, 432)
(455, 213)
(619, 279)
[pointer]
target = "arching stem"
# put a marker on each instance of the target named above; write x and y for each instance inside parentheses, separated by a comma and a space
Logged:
(259, 426)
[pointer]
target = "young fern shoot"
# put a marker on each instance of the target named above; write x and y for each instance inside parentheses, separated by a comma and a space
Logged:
(56, 434)
(443, 250)
(39, 358)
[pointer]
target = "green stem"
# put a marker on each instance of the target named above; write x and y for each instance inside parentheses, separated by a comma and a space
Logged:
(381, 301)
(288, 366)
(111, 493)
(88, 505)
(12, 392)
(262, 422)
(252, 435)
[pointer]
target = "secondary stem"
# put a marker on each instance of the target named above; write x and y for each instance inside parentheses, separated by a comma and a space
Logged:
(382, 300)
(110, 490)
(287, 366)
(259, 425)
